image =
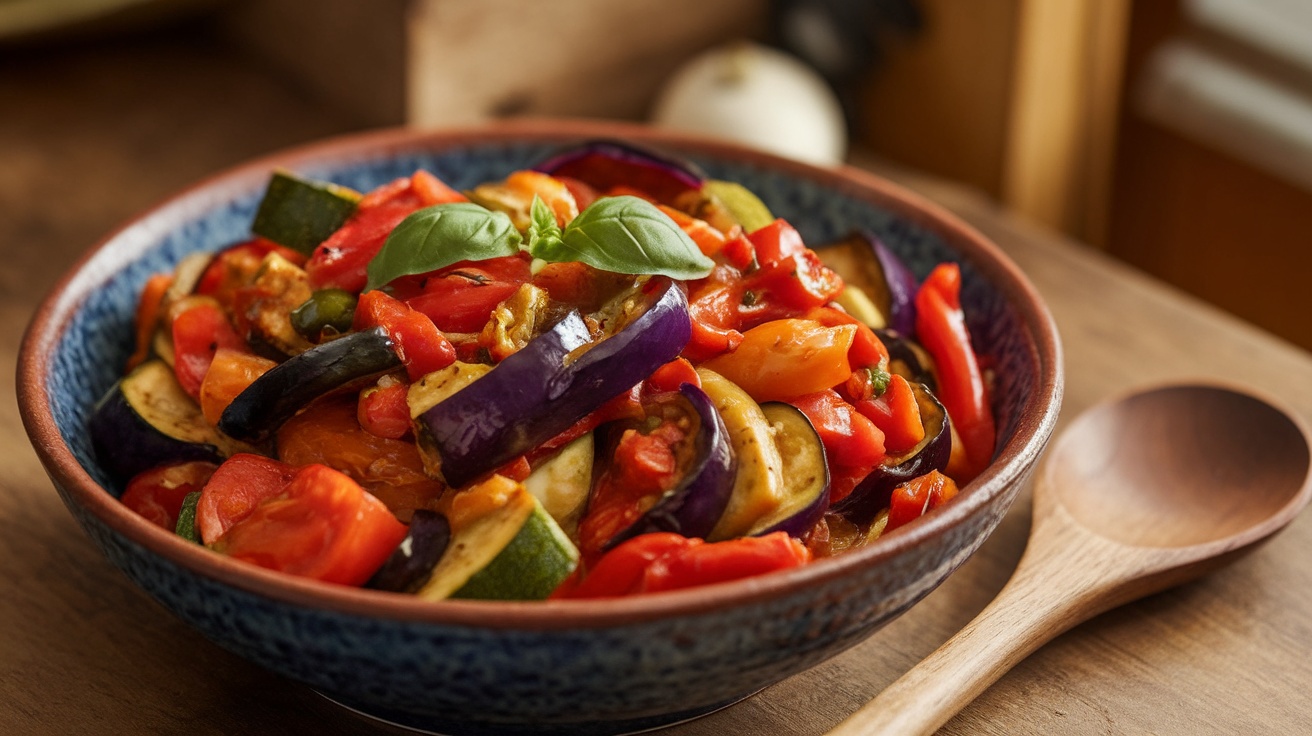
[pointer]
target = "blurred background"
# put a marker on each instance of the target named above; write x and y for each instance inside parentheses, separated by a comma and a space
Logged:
(1175, 135)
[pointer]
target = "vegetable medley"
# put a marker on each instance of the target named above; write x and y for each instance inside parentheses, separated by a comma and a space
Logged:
(604, 376)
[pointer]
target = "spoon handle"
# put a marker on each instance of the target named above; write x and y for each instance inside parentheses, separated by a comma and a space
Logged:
(1042, 599)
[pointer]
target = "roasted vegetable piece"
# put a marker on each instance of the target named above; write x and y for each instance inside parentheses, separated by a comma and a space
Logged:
(300, 213)
(275, 396)
(941, 326)
(918, 496)
(412, 562)
(932, 453)
(786, 358)
(759, 483)
(608, 165)
(674, 477)
(867, 265)
(146, 420)
(327, 313)
(158, 494)
(322, 526)
(544, 388)
(504, 546)
(805, 473)
(235, 489)
(665, 561)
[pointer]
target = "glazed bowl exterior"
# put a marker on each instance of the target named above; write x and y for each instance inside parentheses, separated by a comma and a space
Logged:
(474, 667)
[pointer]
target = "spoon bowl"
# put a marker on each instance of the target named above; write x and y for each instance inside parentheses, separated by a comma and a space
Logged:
(1180, 466)
(1137, 495)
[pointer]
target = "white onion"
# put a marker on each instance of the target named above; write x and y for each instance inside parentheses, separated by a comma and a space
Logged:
(759, 97)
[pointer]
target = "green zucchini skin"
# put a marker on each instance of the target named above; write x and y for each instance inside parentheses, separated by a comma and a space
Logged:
(273, 398)
(145, 420)
(300, 213)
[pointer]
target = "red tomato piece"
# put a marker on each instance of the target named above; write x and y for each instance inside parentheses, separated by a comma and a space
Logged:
(672, 375)
(641, 468)
(157, 494)
(913, 499)
(417, 341)
(383, 411)
(665, 561)
(776, 241)
(853, 444)
(198, 333)
(323, 526)
(239, 485)
(798, 281)
(461, 297)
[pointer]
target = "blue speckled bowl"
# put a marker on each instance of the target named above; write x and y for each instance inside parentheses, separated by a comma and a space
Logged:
(561, 667)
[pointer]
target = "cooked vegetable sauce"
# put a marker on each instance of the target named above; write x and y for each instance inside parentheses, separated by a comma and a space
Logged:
(596, 378)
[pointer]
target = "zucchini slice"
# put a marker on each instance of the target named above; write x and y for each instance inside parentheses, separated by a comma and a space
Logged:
(146, 420)
(759, 488)
(805, 471)
(300, 213)
(509, 548)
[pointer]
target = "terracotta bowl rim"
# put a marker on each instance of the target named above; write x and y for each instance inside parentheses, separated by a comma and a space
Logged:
(1036, 422)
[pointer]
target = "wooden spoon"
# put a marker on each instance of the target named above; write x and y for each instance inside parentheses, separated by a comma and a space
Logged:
(1136, 496)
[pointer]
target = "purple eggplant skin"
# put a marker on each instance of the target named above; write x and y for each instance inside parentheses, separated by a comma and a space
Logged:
(412, 563)
(544, 388)
(127, 443)
(873, 494)
(901, 284)
(273, 398)
(604, 164)
(907, 358)
(806, 473)
(693, 506)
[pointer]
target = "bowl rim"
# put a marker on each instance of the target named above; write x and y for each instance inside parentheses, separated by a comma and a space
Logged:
(1035, 425)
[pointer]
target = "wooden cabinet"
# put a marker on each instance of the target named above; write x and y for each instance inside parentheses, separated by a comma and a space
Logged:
(1037, 103)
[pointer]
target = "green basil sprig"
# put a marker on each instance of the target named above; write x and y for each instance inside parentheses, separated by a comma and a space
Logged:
(438, 236)
(621, 234)
(624, 234)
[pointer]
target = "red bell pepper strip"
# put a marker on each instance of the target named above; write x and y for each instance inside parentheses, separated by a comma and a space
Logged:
(147, 316)
(417, 341)
(913, 499)
(461, 297)
(776, 241)
(897, 415)
(666, 561)
(941, 327)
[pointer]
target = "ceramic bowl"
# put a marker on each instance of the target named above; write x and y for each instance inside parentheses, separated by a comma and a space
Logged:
(472, 667)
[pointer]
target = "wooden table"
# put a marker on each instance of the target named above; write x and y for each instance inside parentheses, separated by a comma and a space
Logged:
(101, 132)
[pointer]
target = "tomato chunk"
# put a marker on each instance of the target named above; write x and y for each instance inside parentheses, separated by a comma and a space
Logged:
(323, 526)
(239, 485)
(913, 499)
(157, 494)
(659, 561)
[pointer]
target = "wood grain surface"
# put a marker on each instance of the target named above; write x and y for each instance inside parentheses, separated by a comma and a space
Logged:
(90, 135)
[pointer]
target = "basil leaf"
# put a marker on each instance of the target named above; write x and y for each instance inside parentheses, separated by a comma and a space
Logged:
(543, 232)
(626, 234)
(438, 236)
